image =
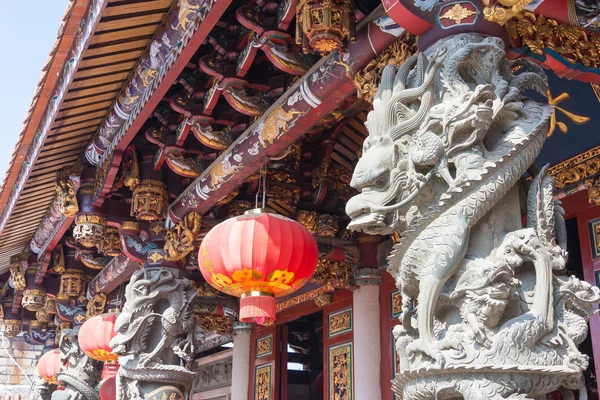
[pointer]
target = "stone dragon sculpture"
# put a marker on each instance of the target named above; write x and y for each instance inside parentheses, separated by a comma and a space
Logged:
(79, 373)
(154, 333)
(450, 135)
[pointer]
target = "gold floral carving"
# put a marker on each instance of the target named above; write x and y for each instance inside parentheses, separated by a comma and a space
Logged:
(301, 298)
(283, 194)
(323, 300)
(340, 372)
(327, 225)
(367, 80)
(458, 13)
(335, 273)
(340, 322)
(111, 242)
(264, 346)
(593, 187)
(238, 207)
(181, 239)
(215, 323)
(576, 169)
(540, 33)
(43, 316)
(501, 11)
(262, 384)
(66, 194)
(574, 118)
(16, 273)
(58, 259)
(204, 289)
(11, 327)
(96, 305)
(131, 170)
(396, 304)
(308, 219)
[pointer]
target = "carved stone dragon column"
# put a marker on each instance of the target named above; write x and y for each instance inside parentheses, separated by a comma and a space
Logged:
(79, 373)
(154, 330)
(488, 312)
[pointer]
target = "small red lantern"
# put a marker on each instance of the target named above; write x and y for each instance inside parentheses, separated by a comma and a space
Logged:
(258, 256)
(95, 335)
(49, 366)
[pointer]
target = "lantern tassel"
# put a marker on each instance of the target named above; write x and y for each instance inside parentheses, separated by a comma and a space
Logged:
(258, 309)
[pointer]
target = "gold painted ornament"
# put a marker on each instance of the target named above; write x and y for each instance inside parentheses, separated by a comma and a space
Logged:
(11, 327)
(149, 200)
(325, 26)
(17, 274)
(72, 283)
(33, 299)
(111, 242)
(89, 229)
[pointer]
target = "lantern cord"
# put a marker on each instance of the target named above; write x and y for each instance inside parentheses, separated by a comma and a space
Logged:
(14, 361)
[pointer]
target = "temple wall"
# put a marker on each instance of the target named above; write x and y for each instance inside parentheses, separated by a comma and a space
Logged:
(12, 381)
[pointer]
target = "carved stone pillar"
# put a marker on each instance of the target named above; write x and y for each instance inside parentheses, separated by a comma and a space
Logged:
(240, 370)
(484, 316)
(155, 327)
(367, 337)
(79, 373)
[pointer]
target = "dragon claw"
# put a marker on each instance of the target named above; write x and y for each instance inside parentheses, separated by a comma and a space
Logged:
(425, 349)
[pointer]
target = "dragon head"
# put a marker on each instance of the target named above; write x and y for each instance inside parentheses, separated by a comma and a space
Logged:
(435, 122)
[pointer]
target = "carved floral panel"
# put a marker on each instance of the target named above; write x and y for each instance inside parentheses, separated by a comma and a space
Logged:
(262, 384)
(340, 366)
(264, 346)
(395, 304)
(340, 322)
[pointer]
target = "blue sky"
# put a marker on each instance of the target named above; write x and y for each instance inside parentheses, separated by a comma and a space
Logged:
(29, 31)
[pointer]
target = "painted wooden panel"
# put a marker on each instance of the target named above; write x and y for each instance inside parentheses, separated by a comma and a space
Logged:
(341, 371)
(395, 304)
(264, 346)
(340, 322)
(263, 382)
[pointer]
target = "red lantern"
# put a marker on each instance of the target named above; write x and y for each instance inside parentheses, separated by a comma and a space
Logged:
(108, 389)
(95, 335)
(258, 256)
(49, 366)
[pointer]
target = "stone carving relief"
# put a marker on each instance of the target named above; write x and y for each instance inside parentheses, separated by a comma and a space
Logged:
(214, 375)
(484, 299)
(79, 373)
(154, 333)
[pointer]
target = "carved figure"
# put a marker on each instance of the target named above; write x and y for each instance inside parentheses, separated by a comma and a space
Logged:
(154, 332)
(450, 135)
